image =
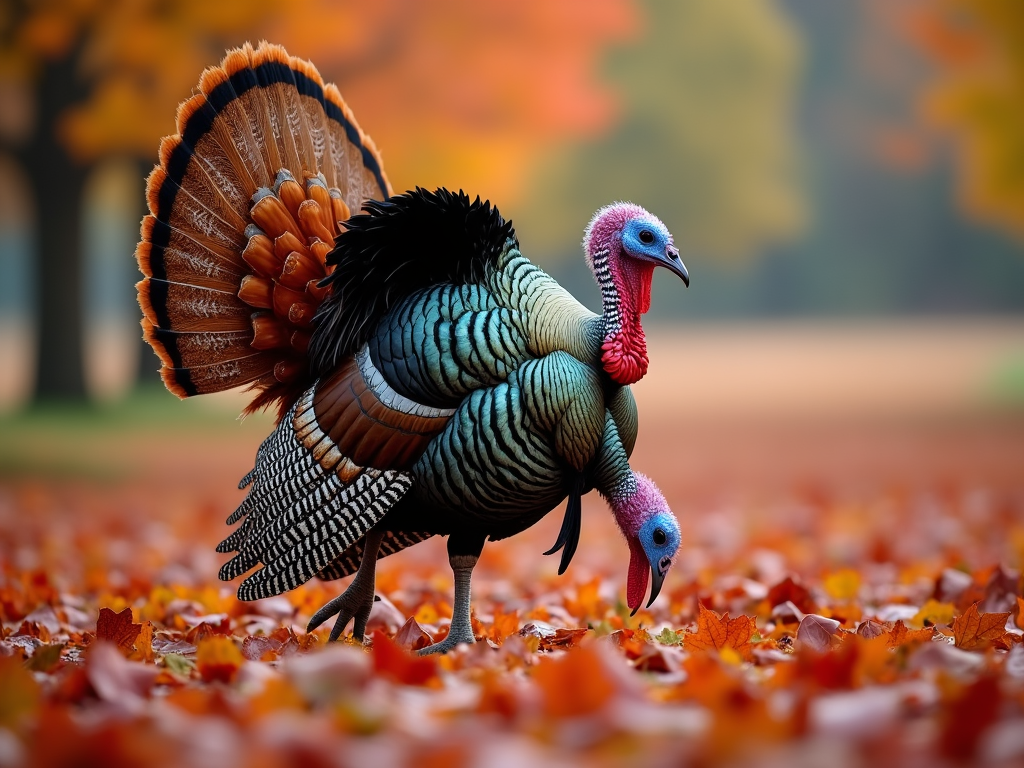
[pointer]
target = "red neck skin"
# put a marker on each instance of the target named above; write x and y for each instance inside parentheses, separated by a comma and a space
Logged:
(624, 349)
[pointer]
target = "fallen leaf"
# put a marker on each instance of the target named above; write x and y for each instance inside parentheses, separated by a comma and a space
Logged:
(574, 685)
(115, 679)
(934, 613)
(843, 585)
(967, 716)
(218, 659)
(669, 637)
(45, 658)
(397, 664)
(899, 635)
(817, 631)
(118, 629)
(714, 633)
(1019, 620)
(791, 590)
(260, 648)
(975, 631)
(20, 695)
(504, 625)
(412, 636)
(870, 628)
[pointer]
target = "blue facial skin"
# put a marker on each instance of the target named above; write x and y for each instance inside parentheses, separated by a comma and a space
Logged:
(659, 537)
(650, 241)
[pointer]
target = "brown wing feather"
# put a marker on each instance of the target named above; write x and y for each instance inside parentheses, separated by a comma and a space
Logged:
(365, 429)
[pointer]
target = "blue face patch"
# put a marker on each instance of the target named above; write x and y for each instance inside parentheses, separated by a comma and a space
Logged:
(659, 536)
(645, 239)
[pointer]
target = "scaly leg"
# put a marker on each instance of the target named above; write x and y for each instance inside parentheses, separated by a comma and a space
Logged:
(463, 553)
(356, 601)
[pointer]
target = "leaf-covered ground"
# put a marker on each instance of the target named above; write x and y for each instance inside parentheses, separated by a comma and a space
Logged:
(845, 595)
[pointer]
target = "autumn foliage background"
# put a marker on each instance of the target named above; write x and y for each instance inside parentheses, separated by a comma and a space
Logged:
(833, 410)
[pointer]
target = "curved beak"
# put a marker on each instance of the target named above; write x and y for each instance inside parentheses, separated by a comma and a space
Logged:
(658, 578)
(672, 262)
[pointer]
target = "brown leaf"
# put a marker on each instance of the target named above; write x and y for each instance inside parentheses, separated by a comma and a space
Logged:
(412, 636)
(976, 631)
(118, 629)
(870, 628)
(714, 633)
(816, 631)
(45, 658)
(21, 695)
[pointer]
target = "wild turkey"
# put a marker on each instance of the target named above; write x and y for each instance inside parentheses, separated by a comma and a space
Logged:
(429, 379)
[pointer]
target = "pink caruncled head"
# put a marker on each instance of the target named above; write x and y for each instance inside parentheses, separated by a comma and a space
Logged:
(652, 533)
(623, 244)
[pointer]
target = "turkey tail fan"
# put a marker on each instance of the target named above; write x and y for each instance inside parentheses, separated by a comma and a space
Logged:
(245, 205)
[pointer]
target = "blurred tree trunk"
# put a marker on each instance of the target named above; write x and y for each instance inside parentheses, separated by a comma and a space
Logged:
(148, 370)
(58, 183)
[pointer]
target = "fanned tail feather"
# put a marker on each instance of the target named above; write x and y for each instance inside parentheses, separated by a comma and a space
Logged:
(244, 208)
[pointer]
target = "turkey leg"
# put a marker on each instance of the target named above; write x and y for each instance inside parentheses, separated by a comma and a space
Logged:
(463, 553)
(356, 601)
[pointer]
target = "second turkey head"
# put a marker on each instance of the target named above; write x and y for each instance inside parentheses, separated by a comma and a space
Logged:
(623, 244)
(652, 533)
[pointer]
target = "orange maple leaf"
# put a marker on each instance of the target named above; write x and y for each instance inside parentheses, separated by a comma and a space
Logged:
(714, 633)
(1019, 621)
(576, 684)
(118, 629)
(218, 658)
(900, 635)
(974, 631)
(504, 624)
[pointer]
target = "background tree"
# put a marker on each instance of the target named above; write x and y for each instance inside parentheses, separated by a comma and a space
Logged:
(976, 96)
(457, 92)
(707, 137)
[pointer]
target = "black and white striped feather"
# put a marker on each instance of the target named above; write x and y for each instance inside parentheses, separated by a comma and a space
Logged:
(299, 517)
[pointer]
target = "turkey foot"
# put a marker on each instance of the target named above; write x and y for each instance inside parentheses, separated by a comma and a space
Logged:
(463, 553)
(356, 601)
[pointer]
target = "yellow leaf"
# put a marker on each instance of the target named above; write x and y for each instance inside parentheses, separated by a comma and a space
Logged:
(218, 658)
(843, 585)
(935, 613)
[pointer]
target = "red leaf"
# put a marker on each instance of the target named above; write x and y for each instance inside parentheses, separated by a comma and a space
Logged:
(393, 662)
(789, 589)
(118, 629)
(968, 716)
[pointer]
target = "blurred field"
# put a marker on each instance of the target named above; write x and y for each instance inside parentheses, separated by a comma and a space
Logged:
(738, 417)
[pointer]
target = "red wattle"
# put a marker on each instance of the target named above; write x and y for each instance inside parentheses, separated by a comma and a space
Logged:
(639, 572)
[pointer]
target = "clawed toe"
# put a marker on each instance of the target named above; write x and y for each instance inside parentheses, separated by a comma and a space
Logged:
(347, 607)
